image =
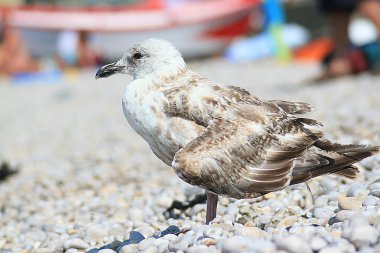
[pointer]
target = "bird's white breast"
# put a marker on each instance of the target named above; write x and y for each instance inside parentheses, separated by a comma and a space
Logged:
(143, 107)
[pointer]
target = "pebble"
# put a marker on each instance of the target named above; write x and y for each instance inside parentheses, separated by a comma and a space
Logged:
(96, 233)
(361, 234)
(343, 215)
(330, 249)
(293, 244)
(317, 243)
(75, 243)
(130, 248)
(323, 212)
(349, 203)
(371, 201)
(182, 242)
(106, 251)
(245, 244)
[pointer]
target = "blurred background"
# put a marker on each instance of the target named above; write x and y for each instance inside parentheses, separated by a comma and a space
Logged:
(71, 166)
(42, 39)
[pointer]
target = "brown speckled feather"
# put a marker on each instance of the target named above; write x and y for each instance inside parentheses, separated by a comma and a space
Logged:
(249, 146)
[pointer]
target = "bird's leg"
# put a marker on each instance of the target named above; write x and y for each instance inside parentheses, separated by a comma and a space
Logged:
(212, 203)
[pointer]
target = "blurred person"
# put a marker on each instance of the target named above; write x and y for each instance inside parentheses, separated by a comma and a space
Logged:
(74, 50)
(344, 59)
(14, 57)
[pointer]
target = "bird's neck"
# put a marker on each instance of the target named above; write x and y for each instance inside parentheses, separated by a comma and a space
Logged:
(163, 77)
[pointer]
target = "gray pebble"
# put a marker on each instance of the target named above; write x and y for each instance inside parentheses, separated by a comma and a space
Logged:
(357, 190)
(374, 186)
(371, 201)
(375, 193)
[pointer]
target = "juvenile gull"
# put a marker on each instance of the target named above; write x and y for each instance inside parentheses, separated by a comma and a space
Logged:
(223, 138)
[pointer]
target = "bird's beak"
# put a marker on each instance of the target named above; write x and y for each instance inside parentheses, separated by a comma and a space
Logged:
(108, 70)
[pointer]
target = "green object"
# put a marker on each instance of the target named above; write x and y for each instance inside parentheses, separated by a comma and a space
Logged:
(282, 51)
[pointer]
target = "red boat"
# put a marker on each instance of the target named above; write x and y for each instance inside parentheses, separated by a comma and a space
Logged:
(195, 27)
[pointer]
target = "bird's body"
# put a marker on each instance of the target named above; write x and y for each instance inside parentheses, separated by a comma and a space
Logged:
(222, 138)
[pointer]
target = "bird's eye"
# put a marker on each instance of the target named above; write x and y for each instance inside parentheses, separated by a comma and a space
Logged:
(137, 55)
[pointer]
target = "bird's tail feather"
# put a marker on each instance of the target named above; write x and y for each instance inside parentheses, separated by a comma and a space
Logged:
(332, 158)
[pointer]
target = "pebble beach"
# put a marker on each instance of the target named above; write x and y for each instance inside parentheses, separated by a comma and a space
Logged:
(86, 182)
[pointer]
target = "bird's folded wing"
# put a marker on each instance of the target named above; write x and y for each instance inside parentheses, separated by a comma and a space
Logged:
(240, 159)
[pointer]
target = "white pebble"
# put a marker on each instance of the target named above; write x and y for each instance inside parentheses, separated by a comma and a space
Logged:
(75, 243)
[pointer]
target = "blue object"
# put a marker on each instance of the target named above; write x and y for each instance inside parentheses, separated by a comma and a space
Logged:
(274, 13)
(46, 77)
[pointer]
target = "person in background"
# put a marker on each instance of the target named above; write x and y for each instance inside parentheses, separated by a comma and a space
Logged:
(14, 57)
(346, 60)
(74, 50)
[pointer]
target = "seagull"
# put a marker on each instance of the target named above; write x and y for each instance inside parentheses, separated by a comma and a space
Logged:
(223, 138)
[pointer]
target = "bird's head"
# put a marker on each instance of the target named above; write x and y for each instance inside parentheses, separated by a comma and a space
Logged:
(142, 59)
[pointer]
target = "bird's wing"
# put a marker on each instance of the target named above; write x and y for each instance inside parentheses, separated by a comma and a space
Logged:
(248, 147)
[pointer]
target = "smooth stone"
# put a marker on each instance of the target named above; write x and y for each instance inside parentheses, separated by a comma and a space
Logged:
(130, 248)
(214, 232)
(361, 235)
(254, 232)
(246, 211)
(293, 244)
(94, 250)
(201, 249)
(150, 249)
(343, 215)
(145, 231)
(323, 212)
(328, 184)
(96, 233)
(321, 201)
(375, 193)
(70, 251)
(245, 244)
(374, 186)
(170, 230)
(106, 251)
(207, 241)
(164, 201)
(146, 243)
(349, 203)
(317, 243)
(371, 201)
(161, 245)
(136, 214)
(288, 221)
(367, 249)
(330, 249)
(357, 190)
(182, 242)
(75, 243)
